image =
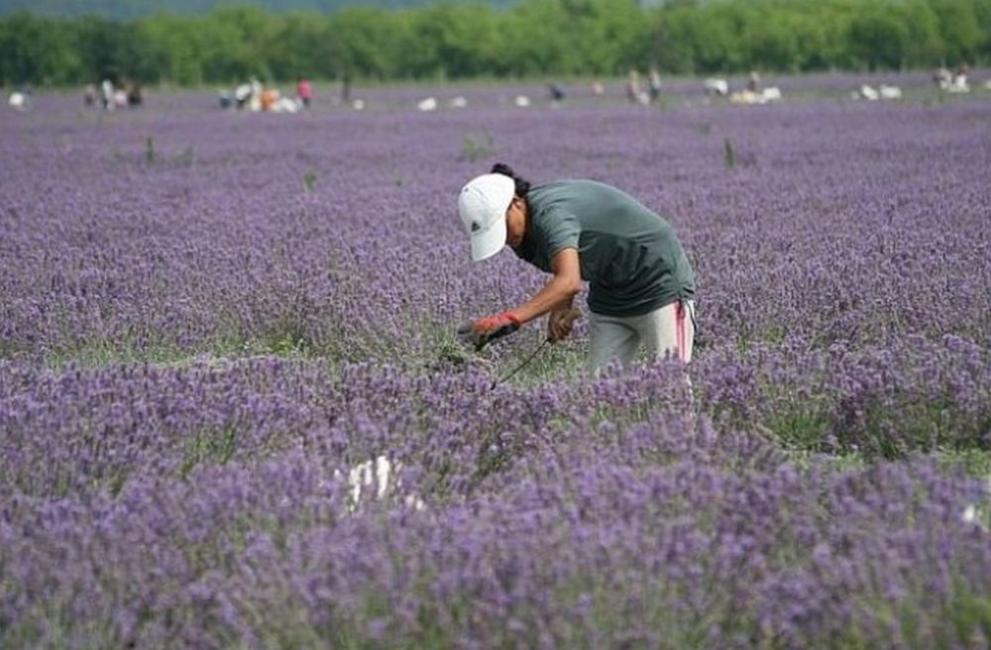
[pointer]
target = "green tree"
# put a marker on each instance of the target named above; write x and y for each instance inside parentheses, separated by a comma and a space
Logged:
(960, 29)
(543, 38)
(717, 37)
(770, 37)
(36, 50)
(925, 43)
(176, 43)
(617, 37)
(820, 35)
(982, 11)
(234, 44)
(877, 39)
(368, 42)
(465, 40)
(533, 37)
(670, 32)
(302, 44)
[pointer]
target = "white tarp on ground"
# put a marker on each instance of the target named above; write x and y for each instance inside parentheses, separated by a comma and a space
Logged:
(376, 479)
(882, 92)
(715, 86)
(18, 101)
(977, 514)
(890, 92)
(749, 97)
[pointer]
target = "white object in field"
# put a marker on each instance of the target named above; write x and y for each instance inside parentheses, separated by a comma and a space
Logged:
(643, 98)
(459, 102)
(242, 92)
(715, 86)
(890, 92)
(747, 98)
(255, 99)
(375, 479)
(428, 104)
(522, 101)
(358, 104)
(742, 97)
(120, 99)
(974, 514)
(942, 77)
(869, 93)
(370, 475)
(18, 101)
(751, 98)
(107, 91)
(957, 84)
(286, 105)
(771, 94)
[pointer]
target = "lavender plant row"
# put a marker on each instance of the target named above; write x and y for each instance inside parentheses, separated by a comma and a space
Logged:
(205, 506)
(80, 430)
(302, 276)
(194, 231)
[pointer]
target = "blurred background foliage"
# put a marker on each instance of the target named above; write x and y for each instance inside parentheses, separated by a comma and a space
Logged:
(53, 46)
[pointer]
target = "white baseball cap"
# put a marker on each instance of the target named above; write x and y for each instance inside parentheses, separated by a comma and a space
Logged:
(482, 204)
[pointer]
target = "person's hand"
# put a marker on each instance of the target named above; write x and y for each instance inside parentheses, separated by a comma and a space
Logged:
(559, 324)
(482, 331)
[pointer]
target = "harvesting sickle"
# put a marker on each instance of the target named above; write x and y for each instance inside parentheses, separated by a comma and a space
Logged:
(641, 284)
(570, 317)
(485, 330)
(479, 340)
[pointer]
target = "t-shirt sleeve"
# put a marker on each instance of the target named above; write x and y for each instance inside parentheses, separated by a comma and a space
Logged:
(561, 230)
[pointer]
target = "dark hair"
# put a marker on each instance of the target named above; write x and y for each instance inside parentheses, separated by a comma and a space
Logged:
(522, 185)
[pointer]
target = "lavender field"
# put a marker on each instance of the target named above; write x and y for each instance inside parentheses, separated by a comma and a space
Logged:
(234, 413)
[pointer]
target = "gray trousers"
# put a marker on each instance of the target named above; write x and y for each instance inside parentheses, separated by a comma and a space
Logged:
(669, 330)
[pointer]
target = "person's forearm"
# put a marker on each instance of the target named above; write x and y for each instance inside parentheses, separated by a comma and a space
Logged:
(556, 294)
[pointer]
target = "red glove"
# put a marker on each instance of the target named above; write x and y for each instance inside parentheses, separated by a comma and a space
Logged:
(480, 332)
(491, 324)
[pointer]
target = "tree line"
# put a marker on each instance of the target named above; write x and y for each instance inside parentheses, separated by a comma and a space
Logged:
(127, 9)
(533, 37)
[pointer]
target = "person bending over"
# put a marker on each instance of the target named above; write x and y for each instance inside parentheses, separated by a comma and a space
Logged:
(641, 285)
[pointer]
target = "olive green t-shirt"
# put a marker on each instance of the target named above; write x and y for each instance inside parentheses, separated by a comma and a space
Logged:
(630, 256)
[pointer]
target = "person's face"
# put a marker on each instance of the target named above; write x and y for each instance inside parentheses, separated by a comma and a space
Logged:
(516, 222)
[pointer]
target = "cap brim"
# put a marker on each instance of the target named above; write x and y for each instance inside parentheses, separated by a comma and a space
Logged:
(486, 243)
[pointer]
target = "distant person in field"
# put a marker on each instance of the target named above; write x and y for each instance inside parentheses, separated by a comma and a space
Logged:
(107, 95)
(641, 285)
(633, 91)
(135, 95)
(960, 78)
(304, 91)
(346, 87)
(269, 98)
(753, 82)
(654, 85)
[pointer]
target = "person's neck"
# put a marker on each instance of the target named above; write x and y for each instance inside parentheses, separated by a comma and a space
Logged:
(526, 223)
